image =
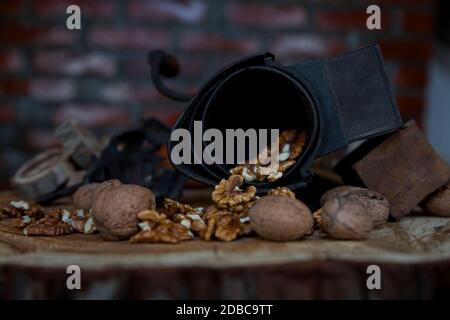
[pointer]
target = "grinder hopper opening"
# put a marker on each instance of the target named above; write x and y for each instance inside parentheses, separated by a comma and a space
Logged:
(261, 97)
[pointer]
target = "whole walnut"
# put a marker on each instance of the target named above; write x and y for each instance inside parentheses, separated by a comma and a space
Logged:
(377, 205)
(280, 218)
(438, 203)
(84, 196)
(109, 184)
(345, 218)
(115, 209)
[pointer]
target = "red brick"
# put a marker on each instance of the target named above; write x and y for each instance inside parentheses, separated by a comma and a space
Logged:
(18, 34)
(11, 86)
(7, 114)
(92, 114)
(411, 107)
(72, 64)
(98, 9)
(139, 38)
(10, 7)
(164, 114)
(406, 49)
(214, 42)
(188, 11)
(411, 76)
(418, 22)
(266, 15)
(305, 45)
(11, 61)
(347, 20)
(21, 34)
(57, 37)
(126, 91)
(39, 139)
(427, 3)
(52, 90)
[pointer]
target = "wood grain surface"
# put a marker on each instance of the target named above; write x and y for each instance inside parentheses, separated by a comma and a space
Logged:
(414, 255)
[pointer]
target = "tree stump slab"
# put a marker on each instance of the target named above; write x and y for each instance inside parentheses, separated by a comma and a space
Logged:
(413, 255)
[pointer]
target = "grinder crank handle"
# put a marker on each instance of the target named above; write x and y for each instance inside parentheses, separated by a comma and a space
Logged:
(163, 64)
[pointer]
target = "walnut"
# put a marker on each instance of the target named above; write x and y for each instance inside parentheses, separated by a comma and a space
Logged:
(211, 217)
(116, 206)
(246, 225)
(297, 146)
(377, 205)
(280, 218)
(317, 218)
(152, 216)
(80, 221)
(282, 191)
(227, 193)
(83, 198)
(284, 165)
(228, 227)
(197, 226)
(17, 209)
(172, 207)
(21, 223)
(207, 233)
(242, 208)
(167, 232)
(345, 218)
(438, 203)
(291, 144)
(247, 171)
(192, 221)
(48, 226)
(287, 137)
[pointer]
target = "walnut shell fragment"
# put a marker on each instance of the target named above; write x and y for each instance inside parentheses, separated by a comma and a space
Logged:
(115, 209)
(280, 218)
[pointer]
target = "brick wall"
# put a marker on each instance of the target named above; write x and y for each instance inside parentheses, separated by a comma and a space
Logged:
(100, 76)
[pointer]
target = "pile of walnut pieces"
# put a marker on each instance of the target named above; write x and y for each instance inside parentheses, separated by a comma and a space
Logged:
(291, 144)
(225, 220)
(127, 212)
(33, 220)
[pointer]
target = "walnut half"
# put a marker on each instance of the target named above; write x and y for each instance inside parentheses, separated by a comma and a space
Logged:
(227, 193)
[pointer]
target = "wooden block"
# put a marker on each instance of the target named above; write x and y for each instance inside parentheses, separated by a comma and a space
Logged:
(404, 168)
(80, 144)
(45, 173)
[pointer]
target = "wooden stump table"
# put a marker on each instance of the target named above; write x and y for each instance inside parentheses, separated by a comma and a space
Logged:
(413, 256)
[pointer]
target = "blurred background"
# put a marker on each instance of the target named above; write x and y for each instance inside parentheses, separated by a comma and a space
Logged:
(99, 74)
